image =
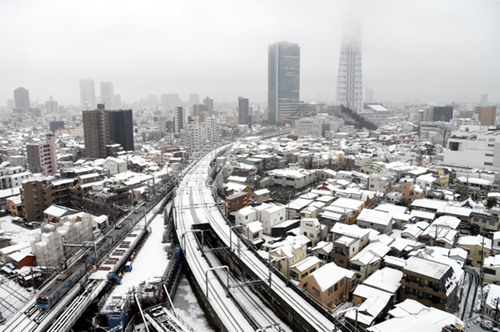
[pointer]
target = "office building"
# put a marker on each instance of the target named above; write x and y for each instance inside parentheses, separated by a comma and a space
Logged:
(243, 112)
(121, 128)
(107, 94)
(438, 113)
(21, 98)
(487, 115)
(350, 74)
(42, 157)
(87, 94)
(283, 80)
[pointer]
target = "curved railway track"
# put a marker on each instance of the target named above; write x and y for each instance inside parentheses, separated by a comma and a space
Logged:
(195, 191)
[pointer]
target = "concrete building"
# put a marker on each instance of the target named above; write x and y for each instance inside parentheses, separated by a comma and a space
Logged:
(283, 80)
(105, 127)
(438, 113)
(121, 128)
(96, 132)
(179, 119)
(487, 115)
(244, 116)
(21, 98)
(430, 283)
(42, 157)
(473, 150)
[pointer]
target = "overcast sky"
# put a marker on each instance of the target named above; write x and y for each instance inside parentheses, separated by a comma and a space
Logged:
(415, 51)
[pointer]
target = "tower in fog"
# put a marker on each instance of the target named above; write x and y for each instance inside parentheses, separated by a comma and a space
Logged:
(107, 94)
(283, 80)
(87, 94)
(21, 98)
(350, 74)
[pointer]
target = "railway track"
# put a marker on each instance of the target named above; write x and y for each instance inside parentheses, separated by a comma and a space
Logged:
(195, 191)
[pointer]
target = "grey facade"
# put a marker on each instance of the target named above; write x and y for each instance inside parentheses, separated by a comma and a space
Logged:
(283, 80)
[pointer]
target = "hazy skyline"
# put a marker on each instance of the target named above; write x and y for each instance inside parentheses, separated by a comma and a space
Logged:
(440, 51)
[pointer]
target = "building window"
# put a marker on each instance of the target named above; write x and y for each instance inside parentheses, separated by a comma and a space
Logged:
(488, 164)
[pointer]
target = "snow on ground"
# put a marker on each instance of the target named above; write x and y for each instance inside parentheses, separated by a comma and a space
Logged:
(15, 232)
(187, 307)
(12, 297)
(149, 264)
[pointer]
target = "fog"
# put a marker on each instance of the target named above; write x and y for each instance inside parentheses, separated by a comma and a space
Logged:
(416, 51)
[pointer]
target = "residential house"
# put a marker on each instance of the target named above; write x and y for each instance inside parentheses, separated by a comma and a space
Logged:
(478, 247)
(305, 267)
(430, 283)
(373, 219)
(414, 316)
(369, 259)
(491, 269)
(311, 228)
(329, 285)
(245, 215)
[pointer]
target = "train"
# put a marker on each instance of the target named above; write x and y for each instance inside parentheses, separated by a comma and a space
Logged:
(63, 283)
(55, 291)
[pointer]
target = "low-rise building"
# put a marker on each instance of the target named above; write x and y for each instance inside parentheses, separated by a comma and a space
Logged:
(329, 285)
(478, 247)
(430, 283)
(373, 219)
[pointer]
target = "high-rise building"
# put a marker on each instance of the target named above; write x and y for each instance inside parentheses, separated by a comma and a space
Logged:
(170, 100)
(21, 98)
(438, 113)
(95, 132)
(178, 119)
(209, 106)
(107, 94)
(350, 74)
(41, 157)
(283, 80)
(487, 115)
(243, 111)
(103, 127)
(194, 99)
(121, 128)
(51, 106)
(87, 94)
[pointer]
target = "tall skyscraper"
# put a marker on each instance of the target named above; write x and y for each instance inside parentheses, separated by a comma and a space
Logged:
(283, 80)
(243, 111)
(87, 94)
(21, 98)
(107, 94)
(350, 74)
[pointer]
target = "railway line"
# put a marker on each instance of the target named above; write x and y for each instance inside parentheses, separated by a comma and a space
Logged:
(195, 191)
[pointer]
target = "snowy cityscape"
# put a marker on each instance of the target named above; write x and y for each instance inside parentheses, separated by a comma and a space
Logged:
(352, 185)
